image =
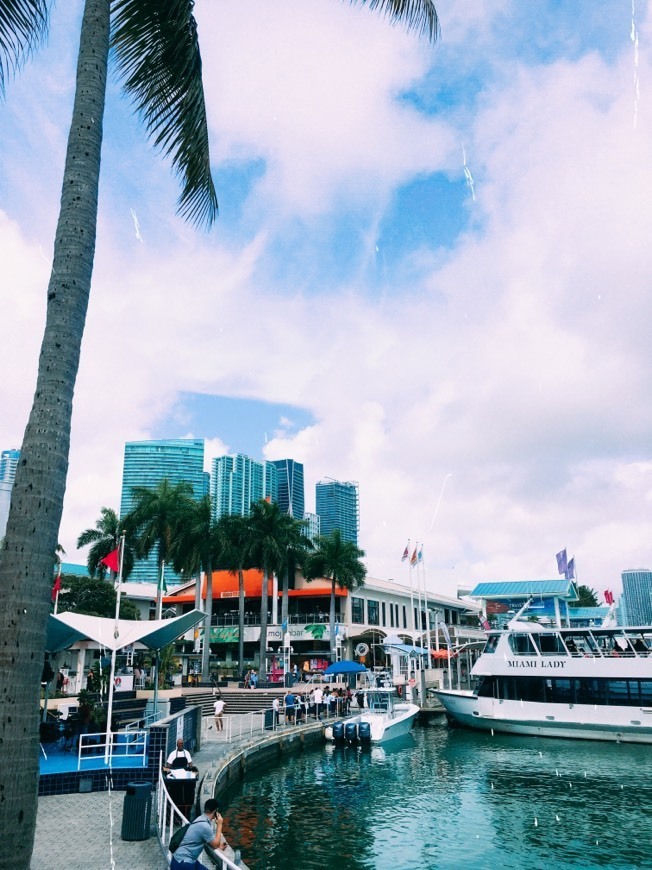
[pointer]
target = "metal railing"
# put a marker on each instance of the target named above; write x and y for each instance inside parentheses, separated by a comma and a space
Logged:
(121, 744)
(239, 725)
(169, 818)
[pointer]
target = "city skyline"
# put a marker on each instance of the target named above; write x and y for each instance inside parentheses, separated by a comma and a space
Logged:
(429, 274)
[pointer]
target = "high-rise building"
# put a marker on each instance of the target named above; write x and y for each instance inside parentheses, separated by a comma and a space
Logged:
(8, 462)
(238, 481)
(313, 527)
(637, 596)
(337, 506)
(147, 463)
(291, 498)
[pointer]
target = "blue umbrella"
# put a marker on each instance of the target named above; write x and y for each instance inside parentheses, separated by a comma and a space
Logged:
(344, 667)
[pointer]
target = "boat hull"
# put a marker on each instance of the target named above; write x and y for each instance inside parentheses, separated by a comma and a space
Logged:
(575, 721)
(385, 728)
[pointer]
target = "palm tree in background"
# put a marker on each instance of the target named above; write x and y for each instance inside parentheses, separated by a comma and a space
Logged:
(158, 517)
(269, 532)
(104, 539)
(298, 547)
(232, 530)
(196, 548)
(156, 51)
(339, 561)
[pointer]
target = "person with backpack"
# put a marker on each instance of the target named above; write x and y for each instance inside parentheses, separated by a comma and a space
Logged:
(195, 836)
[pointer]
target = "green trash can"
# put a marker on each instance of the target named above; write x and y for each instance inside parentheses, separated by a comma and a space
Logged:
(137, 811)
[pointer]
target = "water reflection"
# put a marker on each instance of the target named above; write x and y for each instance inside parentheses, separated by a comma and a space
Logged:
(449, 799)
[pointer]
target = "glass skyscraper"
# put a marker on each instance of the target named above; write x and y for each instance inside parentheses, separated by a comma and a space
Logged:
(337, 507)
(8, 462)
(238, 481)
(147, 463)
(637, 595)
(291, 499)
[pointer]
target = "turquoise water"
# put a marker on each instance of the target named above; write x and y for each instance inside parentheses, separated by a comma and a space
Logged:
(442, 798)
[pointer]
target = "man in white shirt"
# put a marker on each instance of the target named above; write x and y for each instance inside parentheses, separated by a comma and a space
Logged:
(179, 759)
(276, 707)
(219, 711)
(319, 697)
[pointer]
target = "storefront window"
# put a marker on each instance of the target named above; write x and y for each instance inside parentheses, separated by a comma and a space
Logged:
(372, 613)
(357, 610)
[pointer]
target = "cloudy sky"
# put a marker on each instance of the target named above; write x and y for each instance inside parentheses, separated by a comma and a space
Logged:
(430, 274)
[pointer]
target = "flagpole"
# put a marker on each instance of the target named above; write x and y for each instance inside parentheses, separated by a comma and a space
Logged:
(159, 615)
(411, 591)
(116, 634)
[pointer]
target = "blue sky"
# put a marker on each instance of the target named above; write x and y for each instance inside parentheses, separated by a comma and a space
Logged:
(362, 304)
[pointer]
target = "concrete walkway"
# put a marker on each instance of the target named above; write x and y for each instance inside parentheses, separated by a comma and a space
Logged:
(78, 831)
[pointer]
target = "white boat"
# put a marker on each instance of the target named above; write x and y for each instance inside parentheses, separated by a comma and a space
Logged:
(587, 683)
(384, 718)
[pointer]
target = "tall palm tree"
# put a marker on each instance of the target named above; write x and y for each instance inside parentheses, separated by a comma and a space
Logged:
(157, 518)
(232, 530)
(298, 545)
(104, 539)
(197, 548)
(339, 561)
(270, 532)
(157, 53)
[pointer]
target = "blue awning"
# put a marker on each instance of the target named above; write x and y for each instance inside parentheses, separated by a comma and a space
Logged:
(345, 667)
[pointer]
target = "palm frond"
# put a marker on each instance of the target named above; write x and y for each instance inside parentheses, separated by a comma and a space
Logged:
(157, 53)
(23, 25)
(419, 15)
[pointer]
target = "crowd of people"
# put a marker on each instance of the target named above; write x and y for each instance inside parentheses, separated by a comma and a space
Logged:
(321, 701)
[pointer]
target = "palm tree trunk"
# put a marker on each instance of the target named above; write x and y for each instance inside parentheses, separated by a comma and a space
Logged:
(263, 625)
(206, 657)
(241, 611)
(332, 617)
(37, 499)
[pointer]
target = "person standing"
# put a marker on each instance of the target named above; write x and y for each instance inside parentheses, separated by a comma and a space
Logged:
(289, 707)
(319, 696)
(199, 833)
(276, 707)
(219, 712)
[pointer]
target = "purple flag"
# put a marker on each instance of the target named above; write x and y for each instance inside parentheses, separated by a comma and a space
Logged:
(570, 569)
(562, 562)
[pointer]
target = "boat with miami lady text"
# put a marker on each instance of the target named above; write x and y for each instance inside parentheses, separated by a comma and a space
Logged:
(587, 683)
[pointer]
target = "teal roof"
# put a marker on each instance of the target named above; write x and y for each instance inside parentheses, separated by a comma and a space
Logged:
(587, 612)
(559, 588)
(70, 568)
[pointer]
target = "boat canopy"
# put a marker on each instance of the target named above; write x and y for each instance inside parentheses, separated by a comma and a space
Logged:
(345, 667)
(406, 649)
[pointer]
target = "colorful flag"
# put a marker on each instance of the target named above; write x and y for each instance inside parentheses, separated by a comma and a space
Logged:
(420, 554)
(562, 562)
(112, 561)
(162, 585)
(608, 597)
(484, 622)
(570, 569)
(57, 586)
(405, 555)
(413, 560)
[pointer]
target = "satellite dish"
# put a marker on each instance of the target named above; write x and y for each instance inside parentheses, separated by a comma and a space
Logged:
(361, 649)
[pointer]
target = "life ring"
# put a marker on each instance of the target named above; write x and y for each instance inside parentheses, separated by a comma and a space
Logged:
(361, 649)
(413, 682)
(399, 691)
(117, 682)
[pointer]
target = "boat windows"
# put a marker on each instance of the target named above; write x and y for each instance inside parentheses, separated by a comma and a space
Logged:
(551, 645)
(492, 643)
(522, 645)
(598, 692)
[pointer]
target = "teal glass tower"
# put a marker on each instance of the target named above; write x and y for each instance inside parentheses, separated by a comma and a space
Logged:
(337, 508)
(147, 463)
(238, 481)
(291, 496)
(637, 595)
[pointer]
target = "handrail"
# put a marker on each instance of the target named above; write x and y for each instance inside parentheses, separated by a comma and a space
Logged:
(121, 749)
(169, 817)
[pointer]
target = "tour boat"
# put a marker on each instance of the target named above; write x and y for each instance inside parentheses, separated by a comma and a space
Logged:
(383, 718)
(587, 683)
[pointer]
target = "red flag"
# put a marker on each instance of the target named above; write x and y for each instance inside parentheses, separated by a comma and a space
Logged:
(56, 588)
(413, 560)
(609, 597)
(112, 561)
